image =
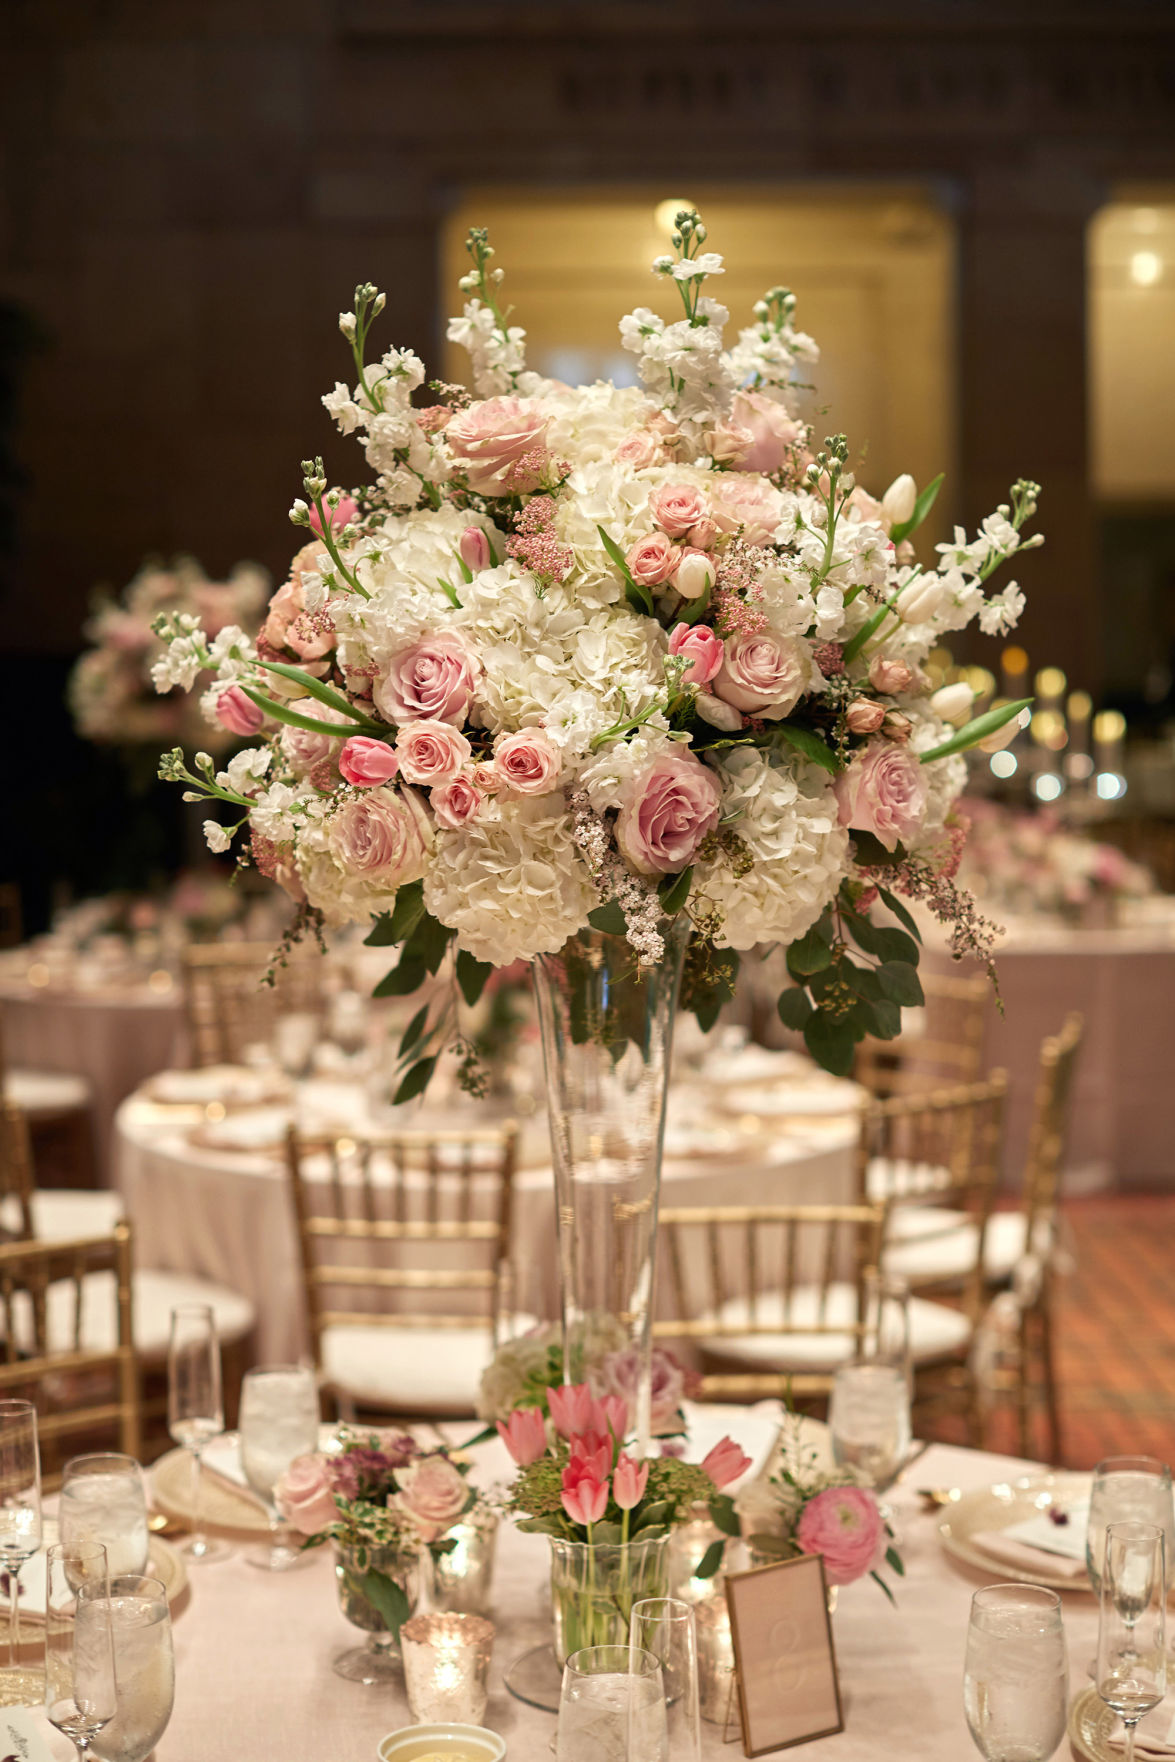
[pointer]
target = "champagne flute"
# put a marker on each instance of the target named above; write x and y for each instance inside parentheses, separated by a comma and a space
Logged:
(103, 1500)
(665, 1627)
(144, 1668)
(1016, 1673)
(195, 1406)
(20, 1532)
(1132, 1637)
(80, 1692)
(279, 1420)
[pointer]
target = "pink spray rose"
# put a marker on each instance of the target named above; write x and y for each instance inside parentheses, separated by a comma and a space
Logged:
(489, 437)
(524, 1435)
(527, 762)
(639, 449)
(433, 1493)
(366, 763)
(746, 503)
(704, 649)
(843, 1524)
(863, 716)
(431, 751)
(456, 803)
(238, 713)
(883, 792)
(434, 677)
(651, 560)
(728, 442)
(887, 675)
(762, 674)
(629, 1481)
(474, 549)
(305, 1495)
(725, 1462)
(702, 534)
(377, 834)
(340, 516)
(771, 429)
(668, 811)
(676, 507)
(306, 748)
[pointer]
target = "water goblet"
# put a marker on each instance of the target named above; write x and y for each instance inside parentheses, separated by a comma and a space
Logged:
(612, 1707)
(279, 1420)
(103, 1500)
(20, 1533)
(1128, 1488)
(195, 1407)
(80, 1683)
(1131, 1671)
(144, 1668)
(869, 1419)
(665, 1626)
(1016, 1673)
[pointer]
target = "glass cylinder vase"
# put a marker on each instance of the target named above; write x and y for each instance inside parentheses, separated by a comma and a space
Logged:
(607, 1026)
(594, 1586)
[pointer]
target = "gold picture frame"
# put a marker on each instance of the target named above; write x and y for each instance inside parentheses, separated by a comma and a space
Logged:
(784, 1657)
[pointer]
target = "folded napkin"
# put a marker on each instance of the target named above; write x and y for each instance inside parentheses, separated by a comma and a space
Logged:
(1003, 1545)
(1153, 1736)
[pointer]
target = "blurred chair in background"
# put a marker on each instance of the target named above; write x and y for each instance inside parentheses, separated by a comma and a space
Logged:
(230, 1007)
(942, 1042)
(58, 1106)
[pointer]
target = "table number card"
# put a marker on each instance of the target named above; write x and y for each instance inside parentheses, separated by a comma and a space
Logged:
(20, 1740)
(784, 1661)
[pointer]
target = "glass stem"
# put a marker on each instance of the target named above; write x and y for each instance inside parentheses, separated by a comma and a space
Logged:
(1130, 1725)
(13, 1613)
(199, 1539)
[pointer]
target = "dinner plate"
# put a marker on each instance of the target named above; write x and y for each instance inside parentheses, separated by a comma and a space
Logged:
(794, 1100)
(163, 1562)
(1090, 1725)
(999, 1507)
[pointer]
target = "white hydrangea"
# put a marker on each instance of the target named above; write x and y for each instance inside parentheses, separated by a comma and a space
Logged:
(608, 776)
(588, 424)
(945, 779)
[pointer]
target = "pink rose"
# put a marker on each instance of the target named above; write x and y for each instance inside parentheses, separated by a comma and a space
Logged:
(695, 574)
(527, 762)
(524, 1435)
(433, 678)
(762, 674)
(238, 713)
(883, 792)
(378, 835)
(639, 450)
(704, 649)
(304, 1495)
(702, 534)
(887, 675)
(667, 813)
(863, 716)
(676, 507)
(489, 437)
(474, 549)
(651, 560)
(728, 442)
(771, 429)
(338, 517)
(618, 1378)
(456, 803)
(585, 1499)
(725, 1462)
(746, 503)
(629, 1481)
(433, 1494)
(305, 748)
(365, 762)
(843, 1524)
(431, 751)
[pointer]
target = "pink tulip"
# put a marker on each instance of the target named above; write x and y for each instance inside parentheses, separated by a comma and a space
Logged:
(725, 1462)
(629, 1481)
(474, 549)
(585, 1499)
(238, 713)
(367, 763)
(571, 1408)
(524, 1435)
(615, 1409)
(340, 516)
(593, 1454)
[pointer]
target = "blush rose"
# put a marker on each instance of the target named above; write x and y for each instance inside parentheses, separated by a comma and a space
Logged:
(456, 803)
(489, 437)
(761, 674)
(305, 1495)
(676, 507)
(652, 560)
(433, 678)
(667, 813)
(527, 762)
(433, 1494)
(376, 834)
(771, 429)
(883, 792)
(431, 751)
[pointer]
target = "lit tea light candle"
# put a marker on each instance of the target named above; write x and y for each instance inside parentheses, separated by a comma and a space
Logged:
(462, 1576)
(446, 1666)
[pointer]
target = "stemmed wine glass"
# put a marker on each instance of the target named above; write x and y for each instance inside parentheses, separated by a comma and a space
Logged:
(20, 1532)
(80, 1691)
(279, 1420)
(1132, 1637)
(195, 1406)
(144, 1668)
(1016, 1673)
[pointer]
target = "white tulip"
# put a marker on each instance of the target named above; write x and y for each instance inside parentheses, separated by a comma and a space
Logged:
(719, 715)
(920, 599)
(953, 702)
(1006, 735)
(897, 504)
(694, 575)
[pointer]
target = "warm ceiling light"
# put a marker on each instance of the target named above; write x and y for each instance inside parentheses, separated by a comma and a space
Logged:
(1109, 725)
(1080, 705)
(1146, 220)
(1014, 660)
(1145, 268)
(665, 213)
(1050, 682)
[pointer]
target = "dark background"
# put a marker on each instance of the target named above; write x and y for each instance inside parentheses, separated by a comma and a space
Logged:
(191, 189)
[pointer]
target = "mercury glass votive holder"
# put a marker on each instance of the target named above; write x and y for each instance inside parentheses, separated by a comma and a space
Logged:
(446, 1666)
(462, 1576)
(715, 1661)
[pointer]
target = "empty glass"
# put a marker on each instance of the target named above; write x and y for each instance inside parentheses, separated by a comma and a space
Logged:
(869, 1419)
(612, 1708)
(665, 1627)
(1128, 1488)
(80, 1693)
(1132, 1637)
(195, 1406)
(20, 1533)
(103, 1500)
(1016, 1673)
(144, 1668)
(279, 1420)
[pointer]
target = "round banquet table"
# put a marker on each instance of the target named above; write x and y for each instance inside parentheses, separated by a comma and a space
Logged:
(225, 1214)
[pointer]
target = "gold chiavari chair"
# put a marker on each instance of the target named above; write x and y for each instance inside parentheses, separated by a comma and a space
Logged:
(58, 1106)
(947, 1049)
(229, 1006)
(404, 1240)
(66, 1341)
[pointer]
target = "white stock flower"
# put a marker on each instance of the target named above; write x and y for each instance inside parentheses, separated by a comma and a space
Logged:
(342, 406)
(1001, 612)
(216, 837)
(246, 770)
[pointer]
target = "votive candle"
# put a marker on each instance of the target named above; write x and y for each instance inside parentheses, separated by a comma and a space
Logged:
(446, 1666)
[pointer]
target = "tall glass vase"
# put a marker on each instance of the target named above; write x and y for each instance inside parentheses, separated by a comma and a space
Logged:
(607, 1026)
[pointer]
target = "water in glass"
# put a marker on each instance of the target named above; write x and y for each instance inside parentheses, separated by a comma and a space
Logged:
(869, 1418)
(144, 1664)
(1016, 1673)
(279, 1420)
(612, 1708)
(103, 1500)
(1128, 1489)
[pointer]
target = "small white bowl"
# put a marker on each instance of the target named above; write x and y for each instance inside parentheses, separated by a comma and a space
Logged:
(474, 1741)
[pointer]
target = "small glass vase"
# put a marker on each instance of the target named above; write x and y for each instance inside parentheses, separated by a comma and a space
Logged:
(594, 1586)
(355, 1569)
(462, 1576)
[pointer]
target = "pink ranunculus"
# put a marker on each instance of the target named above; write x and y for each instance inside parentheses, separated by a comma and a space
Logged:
(305, 1495)
(748, 504)
(695, 573)
(667, 812)
(572, 1408)
(704, 649)
(585, 1499)
(843, 1524)
(863, 716)
(639, 450)
(528, 761)
(378, 834)
(339, 516)
(725, 1463)
(728, 442)
(433, 1493)
(619, 1379)
(365, 763)
(433, 678)
(431, 751)
(487, 438)
(456, 803)
(762, 674)
(238, 713)
(771, 429)
(474, 549)
(306, 748)
(889, 675)
(883, 792)
(629, 1481)
(652, 560)
(524, 1435)
(676, 507)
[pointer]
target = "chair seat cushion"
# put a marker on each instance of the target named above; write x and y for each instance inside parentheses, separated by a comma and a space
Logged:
(936, 1331)
(929, 1244)
(40, 1094)
(62, 1213)
(415, 1370)
(155, 1295)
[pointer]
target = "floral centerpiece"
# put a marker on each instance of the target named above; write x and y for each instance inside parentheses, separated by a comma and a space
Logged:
(1031, 862)
(522, 1371)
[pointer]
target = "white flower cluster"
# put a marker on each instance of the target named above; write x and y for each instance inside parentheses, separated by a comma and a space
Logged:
(683, 365)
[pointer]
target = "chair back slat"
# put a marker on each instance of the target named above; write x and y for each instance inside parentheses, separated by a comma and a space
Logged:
(229, 1002)
(16, 1176)
(948, 1049)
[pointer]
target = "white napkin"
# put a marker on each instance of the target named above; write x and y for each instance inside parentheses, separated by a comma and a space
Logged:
(1153, 1736)
(1029, 1556)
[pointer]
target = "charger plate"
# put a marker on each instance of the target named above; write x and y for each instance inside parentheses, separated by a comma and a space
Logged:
(226, 1509)
(1090, 1725)
(999, 1507)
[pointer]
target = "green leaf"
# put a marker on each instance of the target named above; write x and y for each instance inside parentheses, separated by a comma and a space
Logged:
(794, 1007)
(901, 984)
(977, 729)
(900, 913)
(449, 591)
(413, 1031)
(416, 1081)
(471, 975)
(386, 1597)
(724, 1516)
(894, 1561)
(428, 942)
(326, 694)
(871, 851)
(692, 610)
(673, 891)
(294, 718)
(878, 1580)
(809, 953)
(856, 643)
(831, 1041)
(407, 976)
(883, 1019)
(880, 940)
(862, 979)
(710, 1562)
(638, 595)
(810, 744)
(609, 918)
(922, 508)
(380, 934)
(407, 911)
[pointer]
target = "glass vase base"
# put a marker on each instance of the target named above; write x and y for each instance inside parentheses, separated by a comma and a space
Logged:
(204, 1551)
(536, 1678)
(277, 1559)
(363, 1664)
(20, 1687)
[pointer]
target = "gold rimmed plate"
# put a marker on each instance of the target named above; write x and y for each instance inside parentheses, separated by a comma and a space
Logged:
(964, 1521)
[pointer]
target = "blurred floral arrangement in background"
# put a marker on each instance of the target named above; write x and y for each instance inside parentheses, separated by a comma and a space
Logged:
(1031, 862)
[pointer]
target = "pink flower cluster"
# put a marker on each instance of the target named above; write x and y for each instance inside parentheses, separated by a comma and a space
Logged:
(428, 1491)
(843, 1524)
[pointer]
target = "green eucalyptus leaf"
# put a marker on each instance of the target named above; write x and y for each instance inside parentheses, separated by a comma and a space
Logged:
(406, 913)
(831, 1041)
(900, 913)
(710, 1562)
(413, 1031)
(809, 954)
(724, 1516)
(674, 891)
(428, 941)
(794, 1007)
(883, 1019)
(380, 934)
(900, 983)
(387, 1599)
(609, 918)
(811, 745)
(868, 849)
(416, 1080)
(407, 976)
(471, 975)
